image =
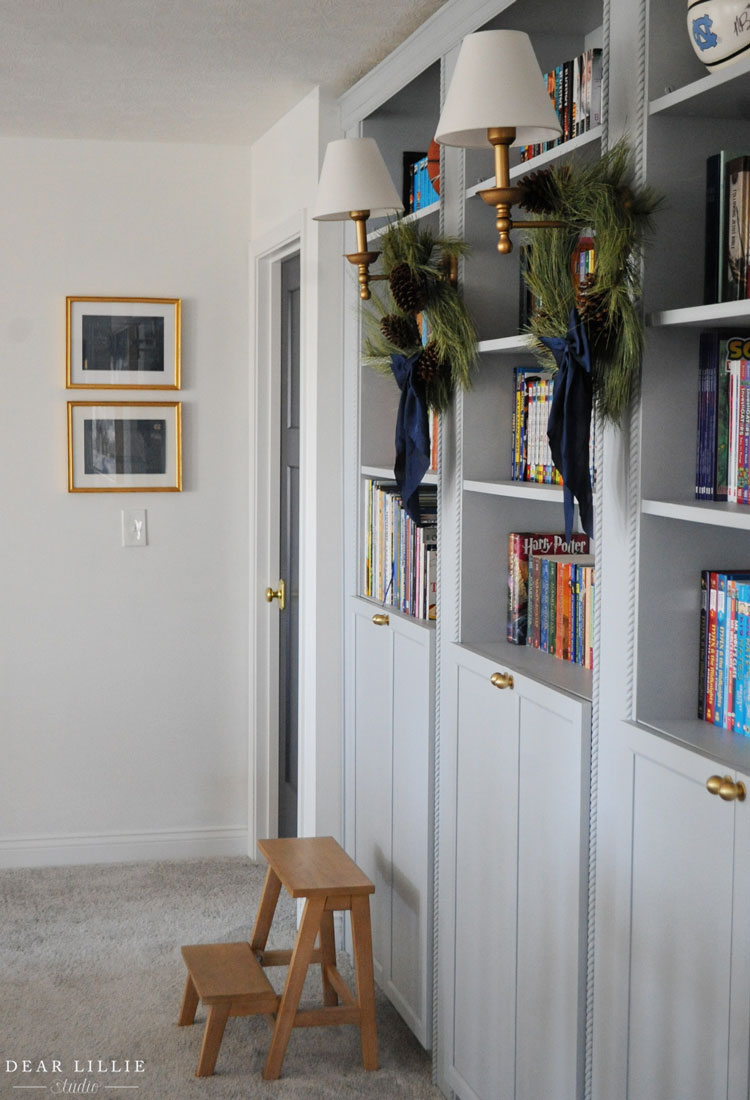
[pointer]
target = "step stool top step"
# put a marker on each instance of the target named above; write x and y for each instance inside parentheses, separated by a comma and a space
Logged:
(229, 970)
(314, 866)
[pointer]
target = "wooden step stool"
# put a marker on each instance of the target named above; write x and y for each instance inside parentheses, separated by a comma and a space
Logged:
(229, 979)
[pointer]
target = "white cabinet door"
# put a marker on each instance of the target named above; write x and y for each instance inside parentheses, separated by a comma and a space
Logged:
(412, 856)
(513, 948)
(373, 741)
(553, 781)
(672, 985)
(483, 1010)
(394, 765)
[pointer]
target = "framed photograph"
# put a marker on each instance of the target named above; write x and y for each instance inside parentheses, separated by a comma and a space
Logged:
(123, 343)
(121, 447)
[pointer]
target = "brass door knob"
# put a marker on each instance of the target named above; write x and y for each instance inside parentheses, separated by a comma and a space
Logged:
(726, 788)
(279, 594)
(501, 679)
(381, 620)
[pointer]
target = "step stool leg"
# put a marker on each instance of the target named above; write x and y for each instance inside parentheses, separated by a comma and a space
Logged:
(328, 948)
(217, 1018)
(189, 1004)
(362, 943)
(266, 910)
(295, 979)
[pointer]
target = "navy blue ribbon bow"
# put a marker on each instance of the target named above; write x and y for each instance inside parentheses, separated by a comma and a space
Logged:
(569, 425)
(412, 432)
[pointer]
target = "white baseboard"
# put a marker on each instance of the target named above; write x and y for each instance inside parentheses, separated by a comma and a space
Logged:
(49, 851)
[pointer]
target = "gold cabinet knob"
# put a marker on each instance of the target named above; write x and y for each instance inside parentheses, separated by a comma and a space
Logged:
(501, 679)
(279, 594)
(732, 792)
(381, 620)
(726, 788)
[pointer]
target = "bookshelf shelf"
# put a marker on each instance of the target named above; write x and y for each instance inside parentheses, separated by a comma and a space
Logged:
(522, 489)
(711, 316)
(432, 210)
(542, 667)
(523, 342)
(551, 156)
(723, 94)
(720, 746)
(410, 621)
(385, 473)
(700, 511)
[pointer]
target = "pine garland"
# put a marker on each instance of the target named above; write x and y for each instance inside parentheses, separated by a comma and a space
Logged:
(602, 198)
(413, 260)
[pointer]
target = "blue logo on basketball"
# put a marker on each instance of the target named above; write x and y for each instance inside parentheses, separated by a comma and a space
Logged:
(704, 37)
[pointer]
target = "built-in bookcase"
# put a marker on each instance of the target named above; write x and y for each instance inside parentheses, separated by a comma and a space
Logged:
(491, 504)
(690, 116)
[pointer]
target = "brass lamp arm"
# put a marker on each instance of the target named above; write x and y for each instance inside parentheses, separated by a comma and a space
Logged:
(503, 196)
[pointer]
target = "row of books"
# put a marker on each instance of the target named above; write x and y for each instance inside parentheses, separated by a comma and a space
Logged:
(531, 458)
(400, 568)
(575, 88)
(527, 605)
(722, 464)
(727, 232)
(724, 668)
(420, 169)
(561, 607)
(582, 270)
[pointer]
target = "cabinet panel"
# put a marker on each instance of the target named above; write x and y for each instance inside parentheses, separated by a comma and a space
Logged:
(411, 885)
(486, 843)
(552, 859)
(672, 919)
(681, 917)
(393, 747)
(373, 766)
(518, 931)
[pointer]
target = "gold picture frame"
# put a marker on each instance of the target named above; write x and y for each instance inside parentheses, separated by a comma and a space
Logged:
(122, 343)
(124, 446)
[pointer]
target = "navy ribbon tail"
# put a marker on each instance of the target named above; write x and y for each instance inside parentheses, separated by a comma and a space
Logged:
(412, 432)
(569, 424)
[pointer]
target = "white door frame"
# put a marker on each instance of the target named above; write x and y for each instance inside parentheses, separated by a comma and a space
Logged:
(266, 258)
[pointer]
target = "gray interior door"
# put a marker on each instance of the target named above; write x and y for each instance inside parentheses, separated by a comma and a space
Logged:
(289, 545)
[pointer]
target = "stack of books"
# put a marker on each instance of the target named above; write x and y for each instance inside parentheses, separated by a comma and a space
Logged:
(551, 591)
(575, 88)
(531, 458)
(724, 665)
(400, 567)
(722, 463)
(422, 191)
(726, 271)
(561, 607)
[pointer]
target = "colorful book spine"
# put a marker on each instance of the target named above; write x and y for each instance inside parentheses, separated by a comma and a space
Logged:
(561, 614)
(522, 546)
(737, 229)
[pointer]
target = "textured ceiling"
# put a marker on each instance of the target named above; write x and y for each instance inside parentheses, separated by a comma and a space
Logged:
(219, 71)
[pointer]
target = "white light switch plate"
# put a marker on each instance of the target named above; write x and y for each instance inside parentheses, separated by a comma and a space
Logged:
(134, 531)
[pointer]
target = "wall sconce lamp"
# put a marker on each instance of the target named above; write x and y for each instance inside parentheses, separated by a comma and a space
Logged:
(355, 183)
(497, 96)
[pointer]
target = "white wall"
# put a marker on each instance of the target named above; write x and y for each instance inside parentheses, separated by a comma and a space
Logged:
(123, 672)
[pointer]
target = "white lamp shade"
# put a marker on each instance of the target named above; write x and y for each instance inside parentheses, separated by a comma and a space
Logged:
(354, 177)
(497, 82)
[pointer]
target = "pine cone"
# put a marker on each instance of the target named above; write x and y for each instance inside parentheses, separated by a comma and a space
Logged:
(540, 192)
(430, 364)
(408, 292)
(400, 331)
(591, 304)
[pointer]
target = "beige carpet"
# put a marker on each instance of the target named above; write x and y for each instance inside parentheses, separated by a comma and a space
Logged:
(91, 972)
